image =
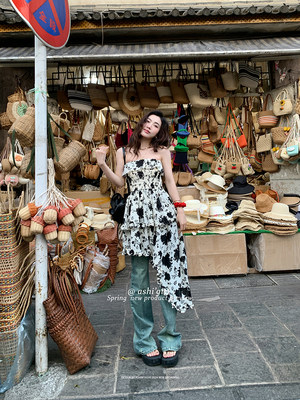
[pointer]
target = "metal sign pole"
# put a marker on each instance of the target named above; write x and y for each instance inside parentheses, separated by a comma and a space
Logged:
(41, 279)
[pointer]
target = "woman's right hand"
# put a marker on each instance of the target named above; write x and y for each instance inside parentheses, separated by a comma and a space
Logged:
(101, 153)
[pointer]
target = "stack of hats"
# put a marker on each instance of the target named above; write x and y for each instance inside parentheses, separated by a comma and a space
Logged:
(212, 188)
(182, 134)
(292, 200)
(241, 190)
(280, 221)
(264, 203)
(218, 221)
(196, 214)
(248, 218)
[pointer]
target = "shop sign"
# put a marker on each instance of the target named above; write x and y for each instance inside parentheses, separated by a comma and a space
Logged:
(49, 19)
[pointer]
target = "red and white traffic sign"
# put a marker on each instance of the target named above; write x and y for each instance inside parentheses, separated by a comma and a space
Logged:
(49, 19)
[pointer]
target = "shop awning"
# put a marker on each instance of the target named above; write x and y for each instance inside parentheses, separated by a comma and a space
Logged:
(271, 48)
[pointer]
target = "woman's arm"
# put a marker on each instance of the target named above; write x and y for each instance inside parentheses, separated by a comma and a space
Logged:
(114, 177)
(171, 186)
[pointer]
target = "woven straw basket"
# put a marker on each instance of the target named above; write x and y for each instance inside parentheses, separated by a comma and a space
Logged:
(5, 121)
(25, 128)
(70, 156)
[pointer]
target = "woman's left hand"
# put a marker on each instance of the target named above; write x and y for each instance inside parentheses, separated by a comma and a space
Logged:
(181, 219)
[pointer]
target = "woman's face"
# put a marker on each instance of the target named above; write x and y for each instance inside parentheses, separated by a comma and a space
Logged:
(151, 127)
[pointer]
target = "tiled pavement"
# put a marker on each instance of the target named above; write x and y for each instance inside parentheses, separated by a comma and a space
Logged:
(241, 341)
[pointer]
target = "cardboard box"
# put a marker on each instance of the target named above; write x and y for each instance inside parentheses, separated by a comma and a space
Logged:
(216, 254)
(269, 252)
(91, 198)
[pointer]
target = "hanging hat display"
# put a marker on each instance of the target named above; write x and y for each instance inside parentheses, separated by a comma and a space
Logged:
(129, 101)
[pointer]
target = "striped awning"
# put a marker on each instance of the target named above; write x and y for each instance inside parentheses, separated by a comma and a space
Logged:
(271, 48)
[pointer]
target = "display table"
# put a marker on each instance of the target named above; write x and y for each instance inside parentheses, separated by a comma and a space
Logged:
(214, 254)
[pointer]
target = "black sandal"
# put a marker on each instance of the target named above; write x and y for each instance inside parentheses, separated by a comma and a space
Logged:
(169, 362)
(152, 361)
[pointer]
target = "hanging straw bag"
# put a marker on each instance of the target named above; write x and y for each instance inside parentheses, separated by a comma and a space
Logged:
(79, 100)
(248, 76)
(164, 92)
(266, 118)
(89, 127)
(282, 105)
(147, 94)
(230, 80)
(98, 96)
(24, 128)
(177, 87)
(281, 132)
(198, 95)
(70, 156)
(268, 164)
(263, 143)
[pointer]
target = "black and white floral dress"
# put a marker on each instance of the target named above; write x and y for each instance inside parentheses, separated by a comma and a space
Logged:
(150, 229)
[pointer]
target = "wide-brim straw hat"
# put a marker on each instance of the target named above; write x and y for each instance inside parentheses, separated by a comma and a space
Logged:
(264, 203)
(279, 212)
(292, 200)
(222, 229)
(214, 184)
(129, 101)
(247, 224)
(101, 221)
(194, 222)
(204, 177)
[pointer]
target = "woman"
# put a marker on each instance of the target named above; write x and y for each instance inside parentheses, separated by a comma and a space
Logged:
(150, 233)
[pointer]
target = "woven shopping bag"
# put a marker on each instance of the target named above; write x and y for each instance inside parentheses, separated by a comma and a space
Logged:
(281, 132)
(263, 143)
(109, 237)
(67, 322)
(266, 118)
(283, 105)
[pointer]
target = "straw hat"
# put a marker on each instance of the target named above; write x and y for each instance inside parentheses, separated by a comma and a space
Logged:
(264, 203)
(292, 200)
(246, 207)
(218, 213)
(129, 101)
(16, 110)
(215, 184)
(203, 178)
(100, 221)
(280, 211)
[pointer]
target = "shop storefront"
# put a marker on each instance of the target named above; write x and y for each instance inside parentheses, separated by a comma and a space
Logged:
(233, 108)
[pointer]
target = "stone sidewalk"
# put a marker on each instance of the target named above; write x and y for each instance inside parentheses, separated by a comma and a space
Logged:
(241, 341)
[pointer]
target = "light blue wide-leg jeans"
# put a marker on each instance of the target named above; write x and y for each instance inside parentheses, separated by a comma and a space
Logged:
(140, 301)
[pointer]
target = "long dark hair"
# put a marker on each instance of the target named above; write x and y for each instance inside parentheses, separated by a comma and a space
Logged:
(162, 139)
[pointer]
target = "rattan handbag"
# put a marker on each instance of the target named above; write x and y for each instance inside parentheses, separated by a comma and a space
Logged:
(67, 322)
(266, 118)
(70, 156)
(281, 132)
(24, 128)
(283, 104)
(109, 237)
